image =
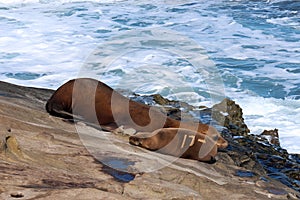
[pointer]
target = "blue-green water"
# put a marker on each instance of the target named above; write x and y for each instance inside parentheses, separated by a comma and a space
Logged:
(253, 45)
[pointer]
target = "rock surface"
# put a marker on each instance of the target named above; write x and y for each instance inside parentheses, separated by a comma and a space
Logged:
(44, 157)
(261, 154)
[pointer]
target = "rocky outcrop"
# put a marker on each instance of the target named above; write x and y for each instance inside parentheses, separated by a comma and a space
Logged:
(45, 157)
(261, 154)
(230, 115)
(272, 136)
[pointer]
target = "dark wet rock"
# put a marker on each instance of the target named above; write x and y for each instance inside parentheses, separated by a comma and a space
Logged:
(175, 109)
(272, 136)
(243, 173)
(160, 100)
(295, 157)
(230, 115)
(272, 159)
(261, 154)
(176, 104)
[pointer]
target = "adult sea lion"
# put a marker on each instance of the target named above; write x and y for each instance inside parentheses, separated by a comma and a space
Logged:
(97, 103)
(178, 142)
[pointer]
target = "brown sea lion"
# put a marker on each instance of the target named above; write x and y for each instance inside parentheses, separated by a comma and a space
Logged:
(178, 142)
(97, 103)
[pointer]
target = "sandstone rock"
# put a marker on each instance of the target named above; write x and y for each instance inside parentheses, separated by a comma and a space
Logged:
(44, 157)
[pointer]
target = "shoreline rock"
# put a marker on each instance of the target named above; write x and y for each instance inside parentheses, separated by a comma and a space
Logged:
(261, 154)
(44, 157)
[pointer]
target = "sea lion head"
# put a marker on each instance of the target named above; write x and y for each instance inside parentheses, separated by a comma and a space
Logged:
(208, 151)
(216, 136)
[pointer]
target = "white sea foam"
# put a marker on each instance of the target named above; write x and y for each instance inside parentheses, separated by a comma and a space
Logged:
(285, 21)
(269, 113)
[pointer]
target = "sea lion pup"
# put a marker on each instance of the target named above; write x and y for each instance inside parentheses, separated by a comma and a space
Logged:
(96, 103)
(178, 142)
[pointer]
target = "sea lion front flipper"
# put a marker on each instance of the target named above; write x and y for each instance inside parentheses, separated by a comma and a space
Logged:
(211, 161)
(109, 127)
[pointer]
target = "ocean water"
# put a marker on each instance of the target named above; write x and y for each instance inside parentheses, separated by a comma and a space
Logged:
(194, 51)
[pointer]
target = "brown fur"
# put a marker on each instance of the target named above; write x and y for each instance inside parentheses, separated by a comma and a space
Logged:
(178, 142)
(97, 103)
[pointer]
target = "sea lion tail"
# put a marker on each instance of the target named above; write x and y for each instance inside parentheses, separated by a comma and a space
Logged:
(56, 110)
(48, 107)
